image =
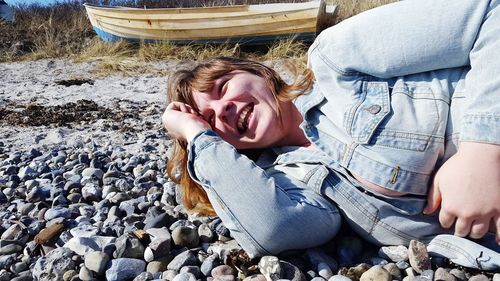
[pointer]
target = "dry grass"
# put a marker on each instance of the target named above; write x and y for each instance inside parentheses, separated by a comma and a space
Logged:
(349, 8)
(63, 30)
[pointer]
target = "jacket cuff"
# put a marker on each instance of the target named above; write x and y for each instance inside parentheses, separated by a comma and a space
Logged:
(195, 147)
(481, 128)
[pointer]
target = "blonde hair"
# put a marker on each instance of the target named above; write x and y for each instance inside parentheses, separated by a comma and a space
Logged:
(201, 78)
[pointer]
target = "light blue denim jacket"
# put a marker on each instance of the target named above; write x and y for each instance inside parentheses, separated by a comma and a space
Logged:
(396, 88)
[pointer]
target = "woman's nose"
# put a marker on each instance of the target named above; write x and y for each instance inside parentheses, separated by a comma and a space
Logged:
(223, 110)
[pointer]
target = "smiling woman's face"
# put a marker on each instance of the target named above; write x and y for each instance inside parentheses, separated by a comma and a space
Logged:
(242, 110)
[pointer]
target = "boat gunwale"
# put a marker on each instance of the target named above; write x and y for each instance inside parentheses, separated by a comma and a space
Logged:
(230, 8)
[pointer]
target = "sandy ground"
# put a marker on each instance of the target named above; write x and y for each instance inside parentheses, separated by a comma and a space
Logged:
(50, 102)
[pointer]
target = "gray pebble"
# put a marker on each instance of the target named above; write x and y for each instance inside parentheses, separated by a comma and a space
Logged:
(85, 274)
(169, 274)
(145, 276)
(128, 246)
(186, 276)
(394, 253)
(96, 261)
(10, 249)
(195, 270)
(182, 259)
(53, 265)
(209, 263)
(93, 173)
(496, 277)
(91, 192)
(185, 236)
(124, 268)
(57, 212)
(157, 266)
(427, 275)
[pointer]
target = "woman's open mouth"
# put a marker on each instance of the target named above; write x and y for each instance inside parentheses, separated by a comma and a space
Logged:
(244, 117)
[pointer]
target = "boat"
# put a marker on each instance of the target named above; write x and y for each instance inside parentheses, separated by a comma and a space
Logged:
(244, 24)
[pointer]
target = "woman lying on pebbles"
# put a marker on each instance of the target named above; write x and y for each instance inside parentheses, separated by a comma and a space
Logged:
(397, 116)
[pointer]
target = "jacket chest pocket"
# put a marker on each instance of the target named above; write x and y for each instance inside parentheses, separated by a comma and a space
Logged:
(365, 116)
(407, 118)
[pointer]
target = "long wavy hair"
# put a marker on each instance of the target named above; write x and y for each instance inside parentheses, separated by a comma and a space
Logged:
(181, 86)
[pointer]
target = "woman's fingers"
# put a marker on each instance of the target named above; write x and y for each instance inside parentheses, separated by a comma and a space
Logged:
(462, 227)
(446, 219)
(479, 228)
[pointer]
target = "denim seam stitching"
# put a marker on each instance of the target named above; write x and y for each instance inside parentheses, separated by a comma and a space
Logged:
(387, 166)
(332, 65)
(238, 224)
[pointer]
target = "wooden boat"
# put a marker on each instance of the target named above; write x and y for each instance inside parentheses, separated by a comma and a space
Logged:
(245, 24)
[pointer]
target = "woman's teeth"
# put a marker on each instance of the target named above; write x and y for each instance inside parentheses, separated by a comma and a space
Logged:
(243, 118)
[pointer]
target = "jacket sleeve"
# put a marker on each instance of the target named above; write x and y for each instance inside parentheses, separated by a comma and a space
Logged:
(263, 216)
(417, 36)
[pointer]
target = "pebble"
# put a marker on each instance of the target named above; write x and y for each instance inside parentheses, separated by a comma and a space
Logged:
(270, 267)
(53, 265)
(418, 256)
(479, 277)
(97, 261)
(442, 275)
(124, 268)
(209, 263)
(185, 276)
(10, 249)
(85, 274)
(195, 270)
(376, 273)
(258, 277)
(157, 266)
(393, 269)
(128, 246)
(145, 276)
(182, 259)
(83, 245)
(68, 275)
(205, 233)
(185, 236)
(496, 277)
(221, 270)
(291, 272)
(339, 278)
(459, 274)
(394, 253)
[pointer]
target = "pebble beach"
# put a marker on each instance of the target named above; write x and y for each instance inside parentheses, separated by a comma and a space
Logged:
(84, 196)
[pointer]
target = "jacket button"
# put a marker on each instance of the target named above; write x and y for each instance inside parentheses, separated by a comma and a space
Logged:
(374, 109)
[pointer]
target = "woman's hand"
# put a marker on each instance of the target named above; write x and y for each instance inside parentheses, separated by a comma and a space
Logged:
(182, 121)
(467, 187)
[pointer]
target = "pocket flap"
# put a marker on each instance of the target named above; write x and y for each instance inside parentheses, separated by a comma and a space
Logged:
(370, 111)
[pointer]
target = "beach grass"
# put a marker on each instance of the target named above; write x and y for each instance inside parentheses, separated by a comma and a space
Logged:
(64, 31)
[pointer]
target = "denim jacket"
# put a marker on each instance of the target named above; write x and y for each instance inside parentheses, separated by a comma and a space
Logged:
(396, 88)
